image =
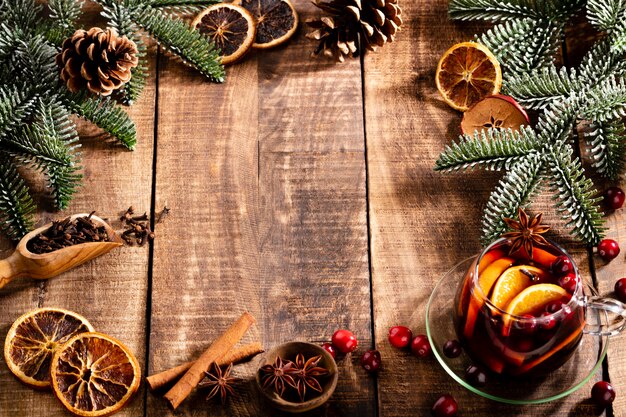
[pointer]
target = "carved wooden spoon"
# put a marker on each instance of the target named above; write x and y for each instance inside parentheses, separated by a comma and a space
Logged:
(24, 263)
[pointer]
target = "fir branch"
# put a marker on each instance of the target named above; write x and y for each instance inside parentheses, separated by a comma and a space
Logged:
(606, 143)
(513, 191)
(495, 10)
(15, 106)
(182, 6)
(16, 204)
(104, 113)
(605, 14)
(604, 102)
(575, 196)
(22, 15)
(63, 14)
(542, 87)
(492, 149)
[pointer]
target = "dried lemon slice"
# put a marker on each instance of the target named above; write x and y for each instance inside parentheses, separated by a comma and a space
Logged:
(34, 337)
(94, 374)
(232, 28)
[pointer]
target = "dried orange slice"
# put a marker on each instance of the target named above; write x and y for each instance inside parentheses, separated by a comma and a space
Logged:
(94, 374)
(276, 20)
(231, 27)
(34, 337)
(512, 282)
(534, 298)
(467, 73)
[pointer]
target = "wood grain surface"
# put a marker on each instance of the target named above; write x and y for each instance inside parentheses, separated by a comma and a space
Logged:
(303, 192)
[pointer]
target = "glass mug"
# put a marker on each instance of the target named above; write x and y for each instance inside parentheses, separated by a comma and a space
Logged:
(532, 344)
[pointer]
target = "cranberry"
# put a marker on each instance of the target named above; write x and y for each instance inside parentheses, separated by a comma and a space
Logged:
(420, 346)
(547, 321)
(400, 336)
(562, 265)
(620, 289)
(554, 306)
(371, 361)
(608, 249)
(614, 198)
(452, 349)
(568, 282)
(328, 347)
(528, 324)
(475, 376)
(603, 393)
(345, 341)
(445, 406)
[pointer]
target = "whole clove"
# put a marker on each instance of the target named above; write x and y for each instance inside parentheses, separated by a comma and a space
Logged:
(136, 228)
(68, 232)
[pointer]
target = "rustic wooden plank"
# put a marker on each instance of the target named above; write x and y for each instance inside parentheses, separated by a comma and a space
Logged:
(265, 176)
(109, 291)
(423, 222)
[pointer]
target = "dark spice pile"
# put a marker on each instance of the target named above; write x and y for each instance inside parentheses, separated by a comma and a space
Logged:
(68, 232)
(137, 227)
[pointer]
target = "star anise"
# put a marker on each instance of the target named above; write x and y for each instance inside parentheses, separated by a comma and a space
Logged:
(307, 374)
(526, 232)
(220, 382)
(278, 375)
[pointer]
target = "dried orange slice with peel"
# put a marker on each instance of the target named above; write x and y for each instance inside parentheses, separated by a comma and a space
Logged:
(513, 281)
(34, 337)
(534, 298)
(276, 20)
(467, 73)
(232, 28)
(94, 374)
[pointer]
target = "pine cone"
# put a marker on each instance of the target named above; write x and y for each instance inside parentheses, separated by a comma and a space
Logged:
(354, 25)
(97, 59)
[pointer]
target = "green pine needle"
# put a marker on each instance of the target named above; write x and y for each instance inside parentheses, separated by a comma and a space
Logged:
(16, 205)
(605, 14)
(606, 142)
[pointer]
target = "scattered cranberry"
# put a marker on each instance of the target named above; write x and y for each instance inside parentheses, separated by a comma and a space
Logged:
(345, 341)
(445, 406)
(603, 393)
(614, 198)
(620, 289)
(400, 336)
(475, 376)
(608, 249)
(452, 349)
(547, 321)
(328, 347)
(528, 324)
(562, 265)
(371, 361)
(420, 346)
(568, 282)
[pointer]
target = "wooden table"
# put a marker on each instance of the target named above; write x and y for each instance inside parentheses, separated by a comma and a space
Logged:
(302, 191)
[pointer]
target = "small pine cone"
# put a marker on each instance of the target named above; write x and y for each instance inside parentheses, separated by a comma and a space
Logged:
(97, 59)
(354, 25)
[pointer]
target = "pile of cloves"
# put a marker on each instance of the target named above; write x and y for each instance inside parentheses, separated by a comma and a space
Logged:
(137, 227)
(67, 232)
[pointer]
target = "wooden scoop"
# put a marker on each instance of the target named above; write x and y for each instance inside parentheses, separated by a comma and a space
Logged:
(24, 263)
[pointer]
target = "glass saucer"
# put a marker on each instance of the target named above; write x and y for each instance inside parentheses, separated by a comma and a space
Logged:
(575, 373)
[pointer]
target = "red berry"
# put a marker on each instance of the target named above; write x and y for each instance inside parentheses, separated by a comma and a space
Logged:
(528, 324)
(608, 249)
(620, 289)
(562, 265)
(420, 346)
(547, 321)
(554, 306)
(345, 341)
(475, 376)
(452, 349)
(400, 336)
(328, 347)
(614, 198)
(603, 393)
(445, 406)
(569, 282)
(371, 361)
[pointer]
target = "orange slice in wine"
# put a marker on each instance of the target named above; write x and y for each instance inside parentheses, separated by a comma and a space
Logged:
(512, 282)
(533, 299)
(467, 73)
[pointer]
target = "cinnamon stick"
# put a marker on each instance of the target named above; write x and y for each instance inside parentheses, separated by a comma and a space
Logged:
(237, 355)
(218, 349)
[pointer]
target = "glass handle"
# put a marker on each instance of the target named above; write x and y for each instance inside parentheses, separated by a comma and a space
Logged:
(615, 312)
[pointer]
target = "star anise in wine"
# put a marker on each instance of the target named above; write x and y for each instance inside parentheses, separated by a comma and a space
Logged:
(278, 375)
(307, 374)
(526, 232)
(219, 381)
